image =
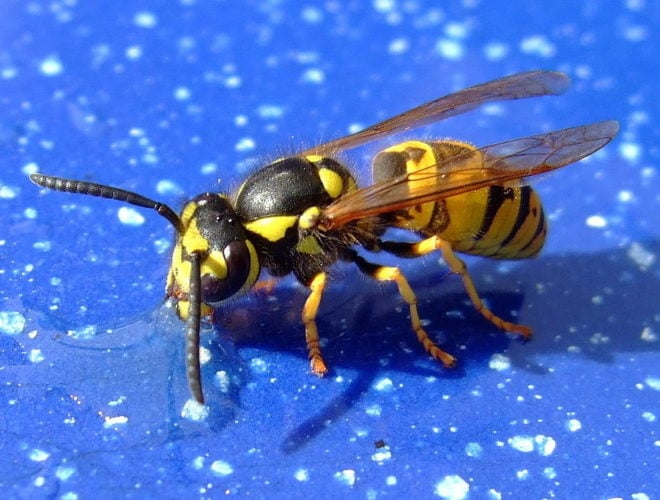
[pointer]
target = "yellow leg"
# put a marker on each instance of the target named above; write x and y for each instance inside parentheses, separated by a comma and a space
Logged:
(457, 266)
(309, 319)
(382, 273)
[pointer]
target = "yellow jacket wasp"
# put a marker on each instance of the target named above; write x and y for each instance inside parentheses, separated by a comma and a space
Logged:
(301, 214)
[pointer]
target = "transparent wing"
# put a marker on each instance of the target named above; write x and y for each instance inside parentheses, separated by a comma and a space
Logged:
(501, 163)
(518, 86)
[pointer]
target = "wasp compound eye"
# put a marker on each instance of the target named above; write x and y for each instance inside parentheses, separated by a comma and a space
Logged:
(238, 265)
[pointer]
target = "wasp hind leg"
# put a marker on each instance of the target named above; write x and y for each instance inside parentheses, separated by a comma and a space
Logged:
(386, 273)
(311, 307)
(457, 266)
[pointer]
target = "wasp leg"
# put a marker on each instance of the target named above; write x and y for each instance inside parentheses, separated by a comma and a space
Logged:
(309, 319)
(386, 273)
(457, 266)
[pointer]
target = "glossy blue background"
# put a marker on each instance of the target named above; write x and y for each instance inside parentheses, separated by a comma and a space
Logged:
(167, 99)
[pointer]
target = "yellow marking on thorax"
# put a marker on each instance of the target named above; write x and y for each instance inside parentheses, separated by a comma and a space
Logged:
(309, 245)
(272, 228)
(332, 182)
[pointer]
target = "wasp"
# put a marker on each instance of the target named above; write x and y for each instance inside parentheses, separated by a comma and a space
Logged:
(301, 214)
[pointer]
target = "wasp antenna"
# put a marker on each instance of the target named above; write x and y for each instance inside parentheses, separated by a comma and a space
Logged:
(193, 371)
(109, 192)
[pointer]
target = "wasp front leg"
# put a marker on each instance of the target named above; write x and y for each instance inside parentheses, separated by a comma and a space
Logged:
(310, 309)
(457, 266)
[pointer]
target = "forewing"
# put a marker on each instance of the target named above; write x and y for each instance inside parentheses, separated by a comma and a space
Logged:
(517, 86)
(501, 163)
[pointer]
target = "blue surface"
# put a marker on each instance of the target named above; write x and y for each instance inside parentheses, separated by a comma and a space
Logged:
(166, 101)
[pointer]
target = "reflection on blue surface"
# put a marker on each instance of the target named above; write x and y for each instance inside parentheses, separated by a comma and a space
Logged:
(174, 101)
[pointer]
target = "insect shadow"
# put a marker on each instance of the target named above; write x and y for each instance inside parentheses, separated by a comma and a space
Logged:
(368, 331)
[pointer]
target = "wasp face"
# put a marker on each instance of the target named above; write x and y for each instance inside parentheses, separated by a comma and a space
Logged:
(229, 263)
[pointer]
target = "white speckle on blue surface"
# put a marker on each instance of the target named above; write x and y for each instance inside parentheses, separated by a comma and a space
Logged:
(573, 425)
(625, 196)
(653, 383)
(630, 151)
(374, 410)
(457, 30)
(550, 472)
(258, 365)
(222, 381)
(194, 411)
(384, 384)
(496, 51)
(30, 213)
(116, 402)
(197, 462)
(499, 362)
(270, 111)
(449, 49)
(384, 6)
(11, 322)
(543, 445)
(313, 75)
(130, 216)
(69, 495)
(522, 474)
(145, 19)
(134, 52)
(221, 468)
(204, 355)
(30, 168)
(648, 335)
(452, 487)
(346, 476)
(390, 480)
(245, 144)
(162, 245)
(640, 496)
(642, 257)
(182, 93)
(538, 45)
(596, 221)
(64, 473)
(8, 72)
(473, 450)
(398, 46)
(382, 454)
(51, 66)
(38, 455)
(82, 333)
(301, 475)
(493, 494)
(109, 422)
(42, 246)
(36, 356)
(209, 168)
(635, 33)
(635, 5)
(311, 15)
(648, 416)
(39, 481)
(232, 81)
(167, 187)
(7, 192)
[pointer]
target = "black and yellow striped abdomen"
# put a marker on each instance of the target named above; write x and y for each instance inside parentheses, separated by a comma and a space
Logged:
(505, 222)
